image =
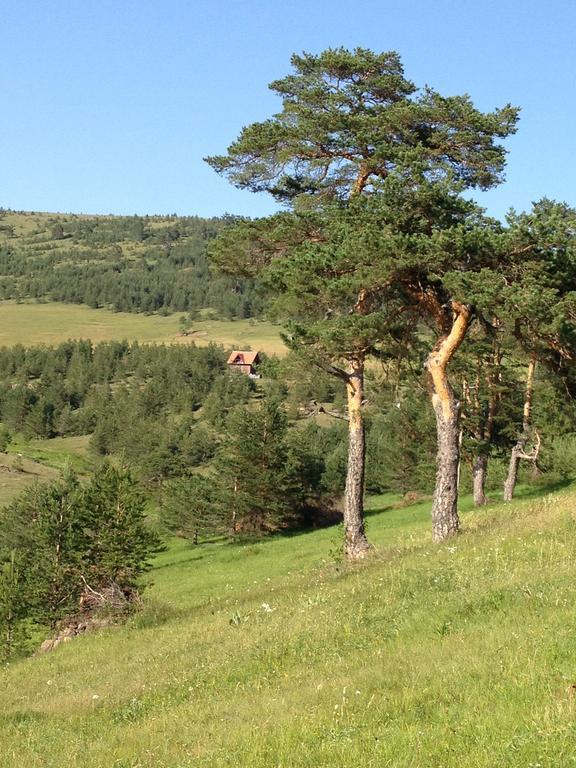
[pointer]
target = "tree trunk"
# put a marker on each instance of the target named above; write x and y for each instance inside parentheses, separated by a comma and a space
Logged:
(355, 542)
(479, 471)
(512, 476)
(482, 418)
(518, 450)
(234, 520)
(445, 520)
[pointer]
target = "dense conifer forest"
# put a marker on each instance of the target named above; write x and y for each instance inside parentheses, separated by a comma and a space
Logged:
(130, 264)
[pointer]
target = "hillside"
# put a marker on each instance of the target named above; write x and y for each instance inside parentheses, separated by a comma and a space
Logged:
(126, 263)
(32, 324)
(39, 460)
(274, 654)
(107, 278)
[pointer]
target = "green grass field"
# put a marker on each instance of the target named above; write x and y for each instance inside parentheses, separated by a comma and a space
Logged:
(39, 460)
(16, 475)
(54, 322)
(274, 655)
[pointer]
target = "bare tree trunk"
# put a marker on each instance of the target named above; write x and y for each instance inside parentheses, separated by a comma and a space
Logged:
(355, 542)
(483, 418)
(445, 520)
(518, 450)
(479, 472)
(234, 516)
(512, 476)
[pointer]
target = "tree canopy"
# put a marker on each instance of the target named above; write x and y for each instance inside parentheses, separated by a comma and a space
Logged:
(351, 119)
(371, 169)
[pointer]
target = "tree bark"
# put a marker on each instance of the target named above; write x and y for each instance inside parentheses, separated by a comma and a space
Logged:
(484, 420)
(512, 476)
(356, 544)
(518, 450)
(479, 472)
(445, 520)
(234, 517)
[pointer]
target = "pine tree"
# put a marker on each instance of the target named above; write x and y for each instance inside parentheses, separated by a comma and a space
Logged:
(261, 481)
(191, 508)
(255, 486)
(61, 542)
(5, 438)
(119, 543)
(13, 608)
(45, 527)
(351, 126)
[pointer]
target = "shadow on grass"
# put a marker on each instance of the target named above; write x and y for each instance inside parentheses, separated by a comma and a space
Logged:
(25, 718)
(396, 514)
(388, 508)
(523, 492)
(538, 490)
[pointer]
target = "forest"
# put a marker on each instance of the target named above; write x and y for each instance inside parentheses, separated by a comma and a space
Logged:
(431, 347)
(130, 264)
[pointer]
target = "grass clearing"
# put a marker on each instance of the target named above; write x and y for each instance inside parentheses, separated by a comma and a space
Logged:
(56, 453)
(30, 461)
(273, 654)
(51, 323)
(17, 473)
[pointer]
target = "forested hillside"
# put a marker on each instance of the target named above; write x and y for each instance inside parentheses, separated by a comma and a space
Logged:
(130, 264)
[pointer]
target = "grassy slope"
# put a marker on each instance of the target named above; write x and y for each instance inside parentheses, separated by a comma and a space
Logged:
(457, 655)
(40, 460)
(54, 322)
(30, 323)
(14, 478)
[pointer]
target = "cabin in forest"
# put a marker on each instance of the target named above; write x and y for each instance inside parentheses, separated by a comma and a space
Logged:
(244, 362)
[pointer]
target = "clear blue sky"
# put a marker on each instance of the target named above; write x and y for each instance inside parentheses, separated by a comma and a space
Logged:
(109, 106)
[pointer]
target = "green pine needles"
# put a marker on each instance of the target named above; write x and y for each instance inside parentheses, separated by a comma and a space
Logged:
(70, 550)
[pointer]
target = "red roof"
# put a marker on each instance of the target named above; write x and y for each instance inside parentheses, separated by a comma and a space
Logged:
(238, 357)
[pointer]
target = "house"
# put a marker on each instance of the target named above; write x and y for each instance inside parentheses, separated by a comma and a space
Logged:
(243, 362)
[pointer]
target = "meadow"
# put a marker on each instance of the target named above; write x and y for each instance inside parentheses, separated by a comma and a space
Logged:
(277, 654)
(16, 475)
(53, 322)
(30, 461)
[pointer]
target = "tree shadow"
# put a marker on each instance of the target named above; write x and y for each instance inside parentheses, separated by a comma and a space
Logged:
(533, 491)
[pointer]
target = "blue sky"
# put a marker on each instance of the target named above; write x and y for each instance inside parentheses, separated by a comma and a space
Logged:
(109, 106)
